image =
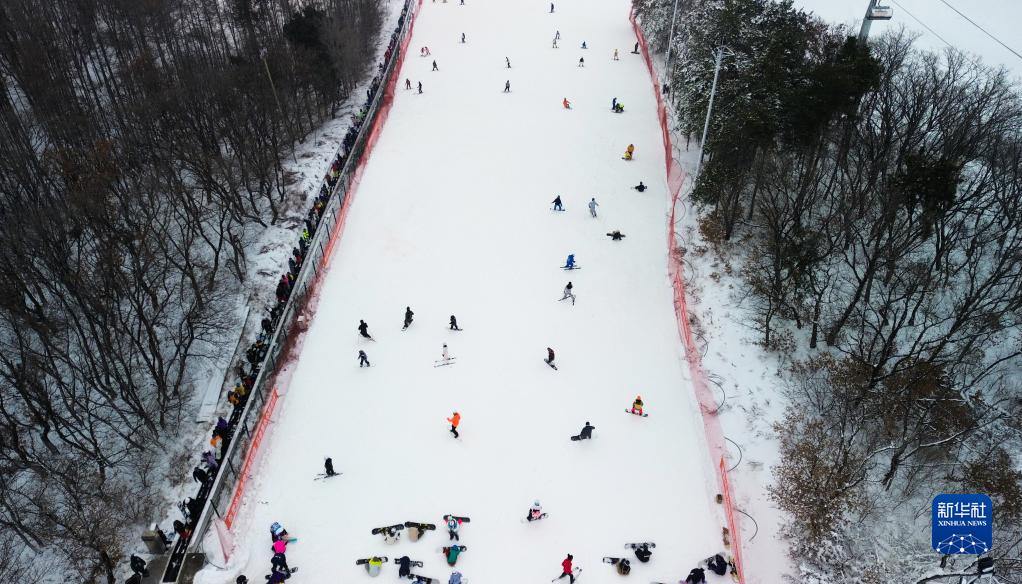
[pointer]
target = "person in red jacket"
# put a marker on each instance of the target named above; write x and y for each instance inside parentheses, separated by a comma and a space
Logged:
(566, 566)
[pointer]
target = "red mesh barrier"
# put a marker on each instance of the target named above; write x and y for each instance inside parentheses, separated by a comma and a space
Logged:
(250, 456)
(700, 386)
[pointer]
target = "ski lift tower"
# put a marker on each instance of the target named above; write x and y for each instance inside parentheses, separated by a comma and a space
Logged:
(874, 11)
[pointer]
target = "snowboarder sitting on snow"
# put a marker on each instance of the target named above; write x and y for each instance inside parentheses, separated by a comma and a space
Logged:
(557, 204)
(619, 108)
(640, 187)
(374, 565)
(696, 576)
(570, 262)
(624, 567)
(391, 535)
(329, 466)
(642, 552)
(566, 103)
(404, 566)
(453, 523)
(637, 407)
(587, 432)
(455, 578)
(616, 235)
(452, 553)
(629, 152)
(717, 565)
(535, 512)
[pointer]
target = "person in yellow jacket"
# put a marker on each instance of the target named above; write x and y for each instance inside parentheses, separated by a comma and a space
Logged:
(629, 152)
(374, 566)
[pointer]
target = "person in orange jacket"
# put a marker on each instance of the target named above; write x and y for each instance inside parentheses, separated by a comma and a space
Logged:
(455, 420)
(566, 103)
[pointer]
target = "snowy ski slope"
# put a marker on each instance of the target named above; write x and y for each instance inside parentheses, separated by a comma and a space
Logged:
(453, 217)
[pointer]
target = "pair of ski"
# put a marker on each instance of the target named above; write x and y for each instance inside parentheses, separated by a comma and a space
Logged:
(571, 268)
(443, 362)
(323, 475)
(574, 573)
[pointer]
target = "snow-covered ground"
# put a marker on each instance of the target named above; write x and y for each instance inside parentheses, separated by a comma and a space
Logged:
(453, 217)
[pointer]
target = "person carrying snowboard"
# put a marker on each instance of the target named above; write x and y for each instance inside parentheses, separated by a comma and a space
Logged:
(328, 465)
(566, 569)
(587, 432)
(640, 187)
(452, 553)
(568, 294)
(363, 329)
(453, 524)
(454, 324)
(570, 262)
(592, 206)
(557, 203)
(549, 356)
(363, 359)
(535, 512)
(454, 420)
(408, 317)
(637, 405)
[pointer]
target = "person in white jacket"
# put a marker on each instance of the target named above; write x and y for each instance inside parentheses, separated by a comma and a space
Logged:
(568, 294)
(592, 206)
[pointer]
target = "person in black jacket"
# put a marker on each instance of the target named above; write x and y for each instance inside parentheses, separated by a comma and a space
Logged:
(696, 576)
(404, 566)
(200, 476)
(642, 553)
(363, 329)
(408, 317)
(616, 235)
(587, 432)
(138, 566)
(717, 564)
(454, 324)
(640, 187)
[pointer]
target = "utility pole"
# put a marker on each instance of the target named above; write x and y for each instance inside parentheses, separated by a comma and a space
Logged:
(670, 45)
(874, 11)
(709, 110)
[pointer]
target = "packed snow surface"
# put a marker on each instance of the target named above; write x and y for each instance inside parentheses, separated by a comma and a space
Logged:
(453, 216)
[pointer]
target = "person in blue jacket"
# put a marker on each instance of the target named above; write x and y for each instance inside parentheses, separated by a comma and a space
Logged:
(570, 263)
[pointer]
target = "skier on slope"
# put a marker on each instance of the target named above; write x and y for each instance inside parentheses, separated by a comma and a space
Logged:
(454, 420)
(454, 324)
(557, 203)
(328, 465)
(363, 329)
(568, 294)
(592, 206)
(587, 432)
(453, 524)
(535, 512)
(637, 405)
(363, 359)
(570, 262)
(566, 569)
(549, 356)
(408, 317)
